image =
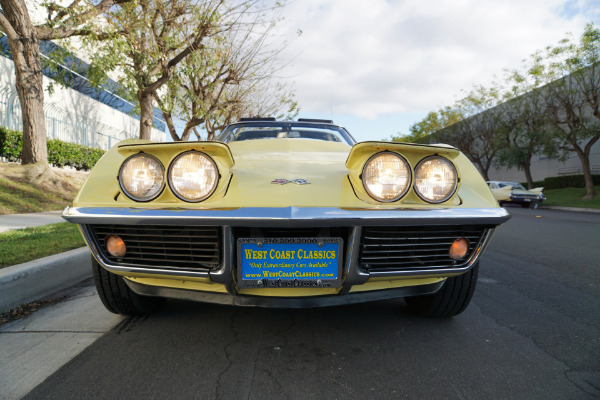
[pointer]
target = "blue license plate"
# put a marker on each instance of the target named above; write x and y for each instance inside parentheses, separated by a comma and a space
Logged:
(289, 262)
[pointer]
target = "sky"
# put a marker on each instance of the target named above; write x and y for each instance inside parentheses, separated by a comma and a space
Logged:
(378, 66)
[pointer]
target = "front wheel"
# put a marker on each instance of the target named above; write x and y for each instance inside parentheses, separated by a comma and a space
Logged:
(450, 300)
(117, 297)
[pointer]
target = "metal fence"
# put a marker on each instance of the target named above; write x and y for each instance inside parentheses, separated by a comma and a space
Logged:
(61, 124)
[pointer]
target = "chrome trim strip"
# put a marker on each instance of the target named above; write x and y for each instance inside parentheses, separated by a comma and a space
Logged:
(284, 302)
(285, 216)
(483, 243)
(224, 274)
(353, 273)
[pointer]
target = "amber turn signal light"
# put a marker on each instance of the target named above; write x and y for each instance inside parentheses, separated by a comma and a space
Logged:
(115, 246)
(459, 248)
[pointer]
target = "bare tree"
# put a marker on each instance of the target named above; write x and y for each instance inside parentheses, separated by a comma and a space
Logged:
(477, 132)
(258, 100)
(231, 77)
(477, 137)
(152, 37)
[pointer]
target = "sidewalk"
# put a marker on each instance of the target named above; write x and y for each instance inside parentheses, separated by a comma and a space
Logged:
(37, 279)
(20, 221)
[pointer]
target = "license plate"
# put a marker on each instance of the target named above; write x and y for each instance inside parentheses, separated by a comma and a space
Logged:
(289, 262)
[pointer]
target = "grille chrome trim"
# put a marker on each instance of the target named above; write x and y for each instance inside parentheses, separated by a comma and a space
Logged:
(390, 258)
(354, 273)
(173, 250)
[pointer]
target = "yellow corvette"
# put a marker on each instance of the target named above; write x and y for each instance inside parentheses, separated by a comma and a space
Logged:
(285, 214)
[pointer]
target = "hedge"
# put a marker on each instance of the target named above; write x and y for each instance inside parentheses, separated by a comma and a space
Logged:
(568, 181)
(11, 144)
(60, 154)
(535, 184)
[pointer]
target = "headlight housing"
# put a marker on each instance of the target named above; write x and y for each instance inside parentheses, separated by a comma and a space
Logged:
(386, 177)
(436, 179)
(142, 177)
(193, 176)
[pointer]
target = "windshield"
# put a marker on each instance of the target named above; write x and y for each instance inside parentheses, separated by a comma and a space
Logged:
(285, 130)
(513, 184)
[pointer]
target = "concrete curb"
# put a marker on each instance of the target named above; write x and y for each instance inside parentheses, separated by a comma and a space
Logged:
(574, 209)
(36, 279)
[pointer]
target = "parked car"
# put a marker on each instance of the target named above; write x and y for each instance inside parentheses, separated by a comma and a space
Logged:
(515, 193)
(285, 214)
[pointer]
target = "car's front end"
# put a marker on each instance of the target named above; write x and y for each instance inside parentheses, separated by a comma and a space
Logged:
(515, 193)
(297, 219)
(526, 198)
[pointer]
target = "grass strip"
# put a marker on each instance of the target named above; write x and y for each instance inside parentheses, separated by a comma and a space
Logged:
(20, 197)
(571, 197)
(22, 245)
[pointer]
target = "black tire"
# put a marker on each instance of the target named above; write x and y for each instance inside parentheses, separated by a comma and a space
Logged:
(118, 298)
(450, 300)
(525, 205)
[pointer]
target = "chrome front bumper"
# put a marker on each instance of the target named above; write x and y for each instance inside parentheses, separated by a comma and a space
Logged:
(353, 274)
(286, 216)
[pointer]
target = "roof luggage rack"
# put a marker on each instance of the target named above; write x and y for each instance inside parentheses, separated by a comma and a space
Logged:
(324, 121)
(257, 119)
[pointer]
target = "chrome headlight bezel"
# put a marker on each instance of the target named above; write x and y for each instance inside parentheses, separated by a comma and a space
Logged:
(408, 183)
(449, 195)
(127, 192)
(206, 195)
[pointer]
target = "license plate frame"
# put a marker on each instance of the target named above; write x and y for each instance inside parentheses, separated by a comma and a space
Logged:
(269, 262)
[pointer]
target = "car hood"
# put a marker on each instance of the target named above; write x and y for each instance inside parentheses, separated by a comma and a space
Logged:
(253, 173)
(265, 171)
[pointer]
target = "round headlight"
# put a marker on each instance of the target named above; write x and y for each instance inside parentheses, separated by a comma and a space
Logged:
(435, 179)
(193, 176)
(142, 177)
(386, 177)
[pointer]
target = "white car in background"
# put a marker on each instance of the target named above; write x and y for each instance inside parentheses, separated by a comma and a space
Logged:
(515, 193)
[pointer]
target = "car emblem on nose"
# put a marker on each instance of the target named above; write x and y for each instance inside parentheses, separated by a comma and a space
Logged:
(296, 181)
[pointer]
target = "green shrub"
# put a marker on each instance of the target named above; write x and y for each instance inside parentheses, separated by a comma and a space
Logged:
(11, 144)
(568, 181)
(60, 154)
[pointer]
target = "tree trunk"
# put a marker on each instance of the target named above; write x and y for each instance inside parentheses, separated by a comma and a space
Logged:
(25, 50)
(210, 130)
(146, 114)
(30, 88)
(169, 120)
(483, 170)
(187, 131)
(189, 127)
(527, 169)
(587, 174)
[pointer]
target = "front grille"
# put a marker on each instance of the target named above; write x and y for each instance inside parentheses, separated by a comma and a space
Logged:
(412, 248)
(181, 247)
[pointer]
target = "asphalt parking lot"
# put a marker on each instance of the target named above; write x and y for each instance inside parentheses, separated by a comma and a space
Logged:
(532, 331)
